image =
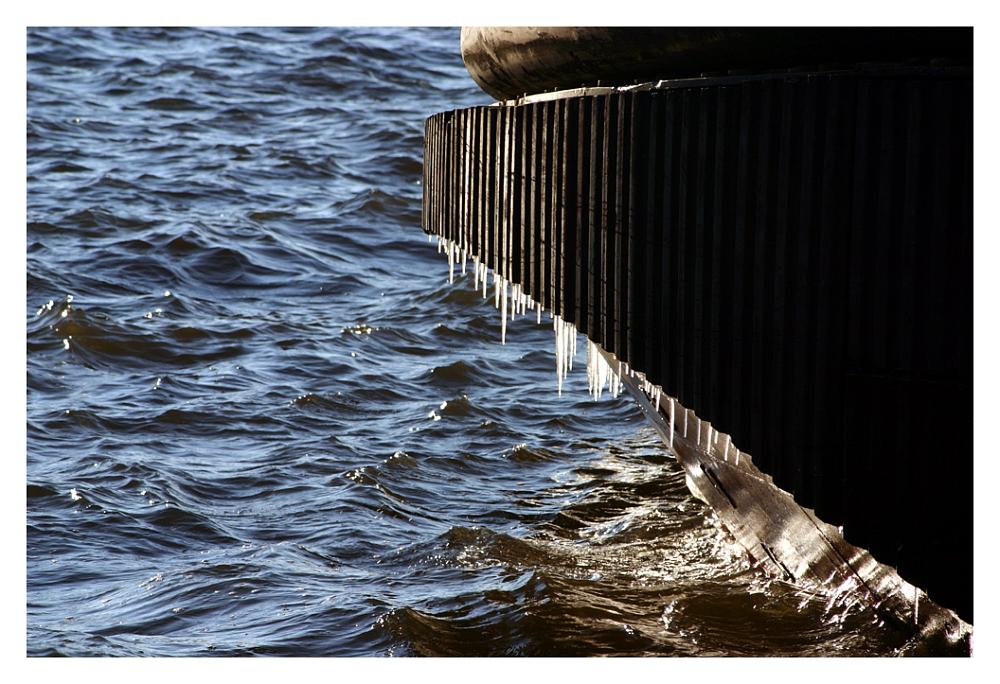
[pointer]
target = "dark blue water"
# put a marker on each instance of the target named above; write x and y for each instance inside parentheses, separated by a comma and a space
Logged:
(260, 420)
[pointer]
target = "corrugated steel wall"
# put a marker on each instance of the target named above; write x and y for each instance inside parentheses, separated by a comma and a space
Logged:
(791, 256)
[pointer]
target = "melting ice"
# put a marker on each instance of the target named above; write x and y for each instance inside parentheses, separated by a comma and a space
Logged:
(510, 300)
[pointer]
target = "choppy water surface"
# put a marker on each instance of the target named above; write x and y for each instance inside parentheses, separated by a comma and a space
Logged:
(260, 421)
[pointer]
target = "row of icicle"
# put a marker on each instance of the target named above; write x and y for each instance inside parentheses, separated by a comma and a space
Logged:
(600, 373)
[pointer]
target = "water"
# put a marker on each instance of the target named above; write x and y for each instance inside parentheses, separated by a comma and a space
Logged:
(260, 419)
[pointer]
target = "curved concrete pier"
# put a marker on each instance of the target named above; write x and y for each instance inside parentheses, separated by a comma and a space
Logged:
(786, 254)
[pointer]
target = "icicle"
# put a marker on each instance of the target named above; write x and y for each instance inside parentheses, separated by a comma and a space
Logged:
(573, 353)
(592, 369)
(561, 335)
(599, 371)
(614, 382)
(595, 370)
(571, 330)
(567, 344)
(538, 321)
(559, 351)
(562, 351)
(602, 371)
(451, 263)
(503, 318)
(475, 273)
(598, 380)
(590, 372)
(598, 375)
(464, 258)
(673, 427)
(563, 330)
(496, 291)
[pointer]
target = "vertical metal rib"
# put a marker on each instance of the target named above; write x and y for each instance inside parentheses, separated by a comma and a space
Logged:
(607, 265)
(595, 187)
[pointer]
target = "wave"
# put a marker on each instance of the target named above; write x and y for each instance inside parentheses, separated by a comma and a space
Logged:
(260, 421)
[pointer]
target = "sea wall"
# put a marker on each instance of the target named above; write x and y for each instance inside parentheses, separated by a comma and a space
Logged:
(788, 254)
